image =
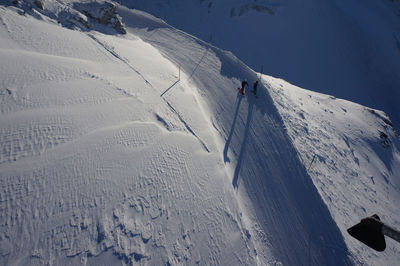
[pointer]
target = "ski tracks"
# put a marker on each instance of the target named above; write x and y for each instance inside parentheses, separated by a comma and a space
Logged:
(187, 125)
(112, 51)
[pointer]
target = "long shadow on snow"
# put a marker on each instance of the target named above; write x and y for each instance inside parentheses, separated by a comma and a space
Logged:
(242, 152)
(288, 206)
(229, 139)
(289, 209)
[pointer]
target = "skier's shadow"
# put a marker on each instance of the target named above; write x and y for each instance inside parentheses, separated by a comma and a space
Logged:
(228, 141)
(235, 179)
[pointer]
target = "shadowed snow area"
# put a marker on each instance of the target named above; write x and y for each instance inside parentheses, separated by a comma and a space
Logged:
(350, 49)
(355, 159)
(124, 141)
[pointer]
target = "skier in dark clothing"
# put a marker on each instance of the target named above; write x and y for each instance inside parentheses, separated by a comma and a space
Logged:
(255, 84)
(244, 83)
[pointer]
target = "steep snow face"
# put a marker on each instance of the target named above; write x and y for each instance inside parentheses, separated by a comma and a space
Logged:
(286, 213)
(353, 158)
(353, 145)
(99, 163)
(349, 49)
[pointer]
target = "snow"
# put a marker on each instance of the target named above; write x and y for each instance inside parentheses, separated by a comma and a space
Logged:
(96, 167)
(108, 158)
(356, 169)
(349, 49)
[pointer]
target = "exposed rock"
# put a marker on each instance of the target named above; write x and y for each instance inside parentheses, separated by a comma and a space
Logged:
(251, 7)
(105, 14)
(385, 139)
(39, 4)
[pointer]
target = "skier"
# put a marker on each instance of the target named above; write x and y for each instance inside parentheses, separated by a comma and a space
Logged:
(244, 83)
(255, 84)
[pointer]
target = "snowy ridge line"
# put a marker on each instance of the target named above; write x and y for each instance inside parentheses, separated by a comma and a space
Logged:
(187, 126)
(123, 193)
(235, 73)
(135, 188)
(351, 156)
(116, 55)
(374, 85)
(207, 45)
(232, 70)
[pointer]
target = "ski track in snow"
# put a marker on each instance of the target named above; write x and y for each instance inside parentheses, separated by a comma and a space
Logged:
(187, 126)
(116, 55)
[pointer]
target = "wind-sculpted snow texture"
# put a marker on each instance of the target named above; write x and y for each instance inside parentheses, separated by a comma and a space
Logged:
(96, 168)
(108, 159)
(350, 49)
(288, 215)
(357, 161)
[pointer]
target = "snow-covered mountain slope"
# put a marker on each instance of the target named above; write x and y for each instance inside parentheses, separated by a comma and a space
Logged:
(281, 201)
(350, 49)
(97, 166)
(258, 151)
(106, 158)
(356, 166)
